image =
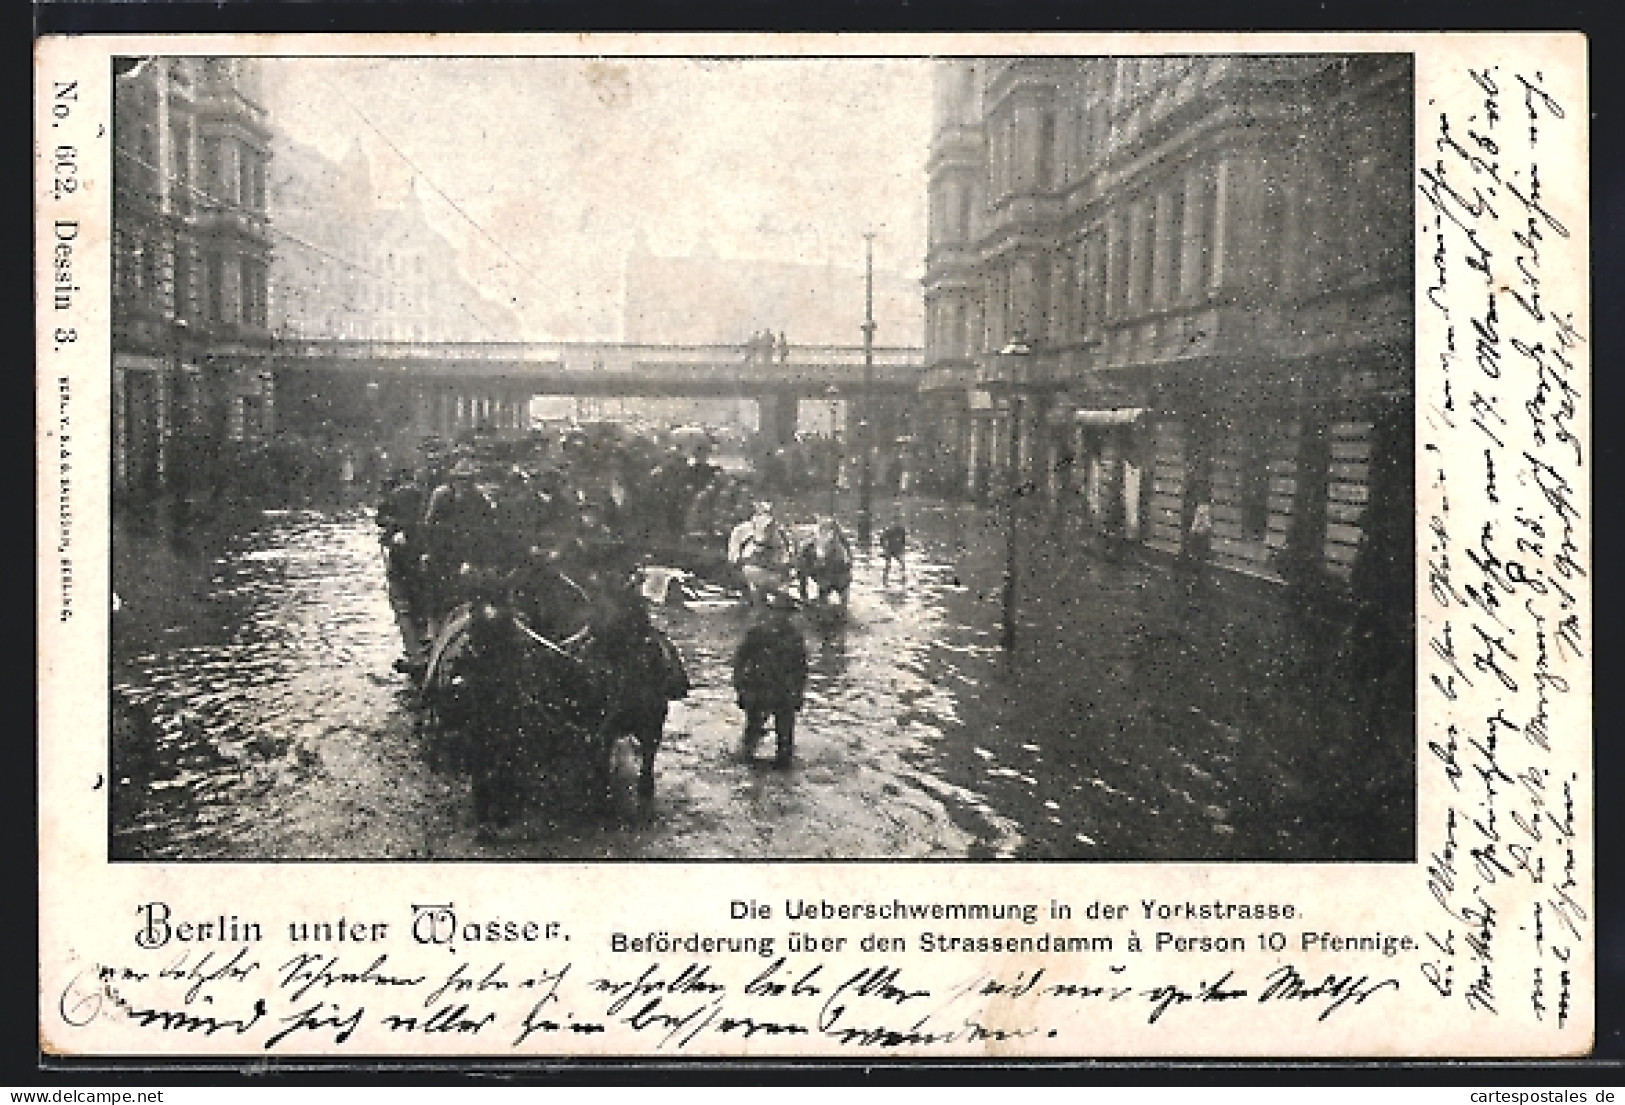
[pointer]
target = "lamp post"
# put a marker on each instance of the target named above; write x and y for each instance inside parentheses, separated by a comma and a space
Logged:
(866, 426)
(1011, 357)
(834, 447)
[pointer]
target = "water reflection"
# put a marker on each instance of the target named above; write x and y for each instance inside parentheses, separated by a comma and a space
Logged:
(262, 718)
(272, 724)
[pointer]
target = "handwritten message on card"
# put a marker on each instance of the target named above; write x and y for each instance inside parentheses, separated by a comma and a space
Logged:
(1502, 505)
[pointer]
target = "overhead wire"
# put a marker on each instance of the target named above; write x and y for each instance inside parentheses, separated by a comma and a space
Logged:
(439, 191)
(272, 228)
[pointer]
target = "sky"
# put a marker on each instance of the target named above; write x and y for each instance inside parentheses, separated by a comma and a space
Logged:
(558, 162)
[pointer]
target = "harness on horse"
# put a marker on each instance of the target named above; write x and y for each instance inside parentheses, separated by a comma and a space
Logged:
(762, 546)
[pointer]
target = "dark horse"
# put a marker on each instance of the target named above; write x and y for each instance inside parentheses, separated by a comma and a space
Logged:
(510, 699)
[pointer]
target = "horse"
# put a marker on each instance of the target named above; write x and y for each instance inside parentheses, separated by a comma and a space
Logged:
(760, 552)
(505, 697)
(825, 561)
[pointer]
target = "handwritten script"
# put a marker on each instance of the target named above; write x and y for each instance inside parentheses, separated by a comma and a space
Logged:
(1502, 512)
(324, 1001)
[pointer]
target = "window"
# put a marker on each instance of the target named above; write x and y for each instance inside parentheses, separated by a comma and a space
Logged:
(1036, 323)
(1114, 272)
(254, 197)
(147, 152)
(1138, 268)
(214, 278)
(149, 268)
(1169, 218)
(1197, 235)
(1009, 147)
(245, 177)
(1274, 204)
(1096, 281)
(1256, 445)
(1045, 169)
(183, 283)
(210, 168)
(254, 293)
(995, 154)
(180, 155)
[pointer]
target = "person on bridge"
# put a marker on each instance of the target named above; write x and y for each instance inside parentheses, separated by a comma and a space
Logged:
(770, 676)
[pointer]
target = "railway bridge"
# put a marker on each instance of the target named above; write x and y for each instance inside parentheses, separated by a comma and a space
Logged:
(440, 388)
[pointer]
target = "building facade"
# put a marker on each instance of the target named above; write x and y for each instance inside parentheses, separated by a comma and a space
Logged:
(191, 258)
(350, 266)
(1174, 297)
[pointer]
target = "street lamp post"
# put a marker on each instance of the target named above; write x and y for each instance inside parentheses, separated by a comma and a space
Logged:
(1012, 489)
(866, 425)
(834, 448)
(1010, 357)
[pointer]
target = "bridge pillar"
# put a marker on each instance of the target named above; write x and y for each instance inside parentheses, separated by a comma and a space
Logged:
(776, 413)
(420, 410)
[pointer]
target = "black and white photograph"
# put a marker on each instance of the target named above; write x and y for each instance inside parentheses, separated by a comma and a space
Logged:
(769, 458)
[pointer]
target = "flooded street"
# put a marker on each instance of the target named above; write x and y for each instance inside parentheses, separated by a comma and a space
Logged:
(269, 722)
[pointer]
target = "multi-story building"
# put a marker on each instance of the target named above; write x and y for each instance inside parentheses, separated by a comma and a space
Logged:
(352, 266)
(1179, 288)
(349, 266)
(191, 253)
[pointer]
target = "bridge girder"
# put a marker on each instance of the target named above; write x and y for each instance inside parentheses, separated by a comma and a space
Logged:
(527, 378)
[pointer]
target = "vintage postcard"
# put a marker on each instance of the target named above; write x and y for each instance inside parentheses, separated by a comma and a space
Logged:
(854, 546)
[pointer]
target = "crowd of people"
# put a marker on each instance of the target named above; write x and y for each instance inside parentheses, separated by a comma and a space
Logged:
(559, 528)
(472, 515)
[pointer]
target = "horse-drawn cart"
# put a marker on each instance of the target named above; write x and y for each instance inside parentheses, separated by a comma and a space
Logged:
(538, 684)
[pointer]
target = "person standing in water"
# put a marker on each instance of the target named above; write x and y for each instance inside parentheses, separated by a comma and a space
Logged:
(893, 539)
(770, 676)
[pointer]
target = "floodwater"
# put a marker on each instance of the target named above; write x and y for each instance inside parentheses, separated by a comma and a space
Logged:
(268, 722)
